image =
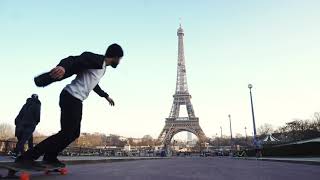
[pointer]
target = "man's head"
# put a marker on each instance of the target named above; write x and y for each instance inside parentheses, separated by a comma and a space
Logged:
(34, 96)
(113, 55)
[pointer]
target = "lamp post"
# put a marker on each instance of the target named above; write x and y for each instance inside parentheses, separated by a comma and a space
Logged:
(252, 111)
(230, 126)
(245, 130)
(218, 139)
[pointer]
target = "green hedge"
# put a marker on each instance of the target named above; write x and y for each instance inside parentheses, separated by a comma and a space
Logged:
(306, 149)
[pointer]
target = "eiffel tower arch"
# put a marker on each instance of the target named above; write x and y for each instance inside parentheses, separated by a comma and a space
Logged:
(174, 123)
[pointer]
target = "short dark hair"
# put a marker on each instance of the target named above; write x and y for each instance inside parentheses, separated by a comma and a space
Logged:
(114, 50)
(34, 96)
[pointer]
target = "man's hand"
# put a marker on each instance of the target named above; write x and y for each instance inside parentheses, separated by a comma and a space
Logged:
(57, 72)
(111, 102)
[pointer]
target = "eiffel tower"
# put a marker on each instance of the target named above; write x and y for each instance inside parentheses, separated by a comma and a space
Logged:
(175, 124)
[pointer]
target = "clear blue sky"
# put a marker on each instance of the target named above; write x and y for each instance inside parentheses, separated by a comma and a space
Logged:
(275, 45)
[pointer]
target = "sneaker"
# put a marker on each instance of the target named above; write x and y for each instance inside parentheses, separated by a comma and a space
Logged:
(10, 153)
(15, 155)
(26, 163)
(53, 163)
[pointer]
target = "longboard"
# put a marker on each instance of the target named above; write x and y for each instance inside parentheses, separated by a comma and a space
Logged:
(25, 172)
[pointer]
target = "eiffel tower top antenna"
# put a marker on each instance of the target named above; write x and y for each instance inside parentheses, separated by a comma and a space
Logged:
(181, 83)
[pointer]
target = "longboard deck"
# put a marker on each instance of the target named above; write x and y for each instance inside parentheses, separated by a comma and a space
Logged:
(25, 172)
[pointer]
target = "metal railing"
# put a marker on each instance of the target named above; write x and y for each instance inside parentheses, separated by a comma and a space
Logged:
(7, 146)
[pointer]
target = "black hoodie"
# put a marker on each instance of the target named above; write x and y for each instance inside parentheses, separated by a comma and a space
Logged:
(29, 113)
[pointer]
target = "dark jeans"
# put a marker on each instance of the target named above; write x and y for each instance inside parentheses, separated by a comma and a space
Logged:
(24, 134)
(71, 114)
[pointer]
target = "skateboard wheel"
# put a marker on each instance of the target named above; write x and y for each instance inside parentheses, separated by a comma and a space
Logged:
(63, 171)
(24, 176)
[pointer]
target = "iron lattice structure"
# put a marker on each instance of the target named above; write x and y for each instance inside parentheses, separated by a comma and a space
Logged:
(174, 123)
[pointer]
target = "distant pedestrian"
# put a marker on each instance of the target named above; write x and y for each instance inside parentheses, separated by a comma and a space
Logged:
(258, 147)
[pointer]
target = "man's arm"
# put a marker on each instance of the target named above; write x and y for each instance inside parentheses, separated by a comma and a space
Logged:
(37, 113)
(100, 92)
(70, 66)
(19, 117)
(76, 64)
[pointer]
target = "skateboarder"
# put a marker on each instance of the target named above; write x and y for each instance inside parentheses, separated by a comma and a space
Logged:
(89, 68)
(26, 122)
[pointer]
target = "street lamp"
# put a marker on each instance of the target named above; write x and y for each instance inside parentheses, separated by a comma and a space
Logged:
(218, 139)
(231, 140)
(253, 119)
(230, 125)
(245, 130)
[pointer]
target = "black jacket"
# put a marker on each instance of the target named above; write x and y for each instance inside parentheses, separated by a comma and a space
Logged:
(29, 113)
(76, 64)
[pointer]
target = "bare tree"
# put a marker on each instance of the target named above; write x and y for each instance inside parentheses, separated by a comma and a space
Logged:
(37, 134)
(147, 140)
(301, 129)
(316, 116)
(91, 140)
(265, 129)
(316, 121)
(6, 131)
(114, 140)
(238, 135)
